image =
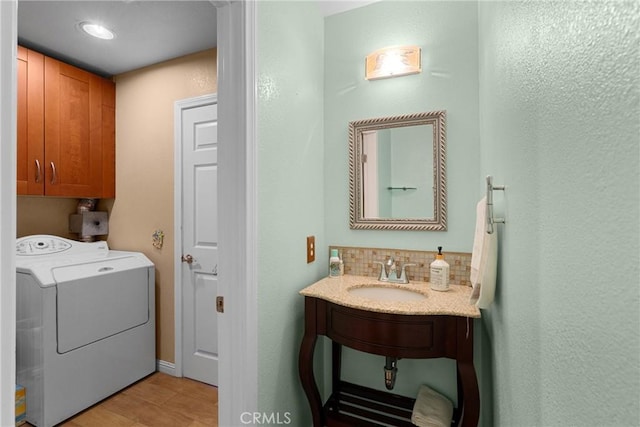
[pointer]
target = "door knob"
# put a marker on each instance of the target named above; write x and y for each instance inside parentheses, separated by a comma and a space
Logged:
(187, 258)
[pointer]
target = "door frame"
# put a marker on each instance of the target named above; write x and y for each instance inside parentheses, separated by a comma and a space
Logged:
(178, 107)
(8, 103)
(238, 270)
(237, 180)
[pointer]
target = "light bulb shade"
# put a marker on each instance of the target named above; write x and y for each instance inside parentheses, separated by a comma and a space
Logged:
(392, 62)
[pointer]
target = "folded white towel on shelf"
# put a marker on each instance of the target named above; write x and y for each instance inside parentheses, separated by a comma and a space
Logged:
(484, 260)
(431, 409)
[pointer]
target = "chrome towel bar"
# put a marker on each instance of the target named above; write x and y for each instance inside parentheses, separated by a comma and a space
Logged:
(490, 219)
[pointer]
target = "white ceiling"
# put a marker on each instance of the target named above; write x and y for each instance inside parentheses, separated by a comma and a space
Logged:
(147, 32)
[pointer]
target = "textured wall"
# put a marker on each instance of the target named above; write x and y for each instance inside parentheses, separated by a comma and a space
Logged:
(144, 168)
(290, 193)
(560, 126)
(447, 34)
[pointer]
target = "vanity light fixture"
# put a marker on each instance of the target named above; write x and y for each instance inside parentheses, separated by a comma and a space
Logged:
(97, 30)
(392, 62)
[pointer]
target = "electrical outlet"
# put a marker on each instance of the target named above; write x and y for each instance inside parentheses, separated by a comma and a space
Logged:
(311, 249)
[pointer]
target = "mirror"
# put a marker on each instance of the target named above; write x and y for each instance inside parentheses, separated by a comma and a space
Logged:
(397, 178)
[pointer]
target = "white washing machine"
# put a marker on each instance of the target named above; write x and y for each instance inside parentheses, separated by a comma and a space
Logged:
(85, 324)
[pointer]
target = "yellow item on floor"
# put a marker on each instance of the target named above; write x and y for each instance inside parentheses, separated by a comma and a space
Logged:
(21, 405)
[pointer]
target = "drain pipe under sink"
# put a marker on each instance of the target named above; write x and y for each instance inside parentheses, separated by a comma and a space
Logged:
(390, 372)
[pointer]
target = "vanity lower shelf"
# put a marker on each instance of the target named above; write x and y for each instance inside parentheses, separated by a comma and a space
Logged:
(352, 404)
(386, 334)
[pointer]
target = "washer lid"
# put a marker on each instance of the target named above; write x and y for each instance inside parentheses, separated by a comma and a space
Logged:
(97, 268)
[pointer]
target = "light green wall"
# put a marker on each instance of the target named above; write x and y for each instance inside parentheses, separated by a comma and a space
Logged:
(303, 170)
(560, 126)
(557, 121)
(447, 34)
(290, 193)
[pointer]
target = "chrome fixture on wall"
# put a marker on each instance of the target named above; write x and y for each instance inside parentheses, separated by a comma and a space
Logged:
(490, 219)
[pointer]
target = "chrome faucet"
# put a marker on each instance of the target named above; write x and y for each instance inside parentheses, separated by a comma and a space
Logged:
(392, 274)
(382, 277)
(403, 273)
(393, 270)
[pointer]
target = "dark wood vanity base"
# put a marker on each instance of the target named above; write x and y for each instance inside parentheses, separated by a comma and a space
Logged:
(355, 405)
(385, 334)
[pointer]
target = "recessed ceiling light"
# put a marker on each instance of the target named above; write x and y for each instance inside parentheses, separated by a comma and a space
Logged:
(97, 30)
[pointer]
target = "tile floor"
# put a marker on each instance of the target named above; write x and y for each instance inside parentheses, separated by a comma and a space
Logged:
(159, 400)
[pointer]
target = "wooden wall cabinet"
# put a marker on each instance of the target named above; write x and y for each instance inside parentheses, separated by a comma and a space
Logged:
(30, 151)
(66, 129)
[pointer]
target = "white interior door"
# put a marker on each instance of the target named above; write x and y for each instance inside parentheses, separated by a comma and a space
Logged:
(199, 137)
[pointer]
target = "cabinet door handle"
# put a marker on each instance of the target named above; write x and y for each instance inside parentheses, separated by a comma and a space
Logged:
(37, 170)
(54, 175)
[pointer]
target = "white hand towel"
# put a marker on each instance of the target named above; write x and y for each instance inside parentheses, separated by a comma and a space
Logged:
(484, 260)
(431, 409)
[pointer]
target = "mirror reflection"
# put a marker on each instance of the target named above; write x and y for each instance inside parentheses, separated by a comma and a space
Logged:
(397, 174)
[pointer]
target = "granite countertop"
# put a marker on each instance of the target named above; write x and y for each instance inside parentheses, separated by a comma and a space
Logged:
(454, 302)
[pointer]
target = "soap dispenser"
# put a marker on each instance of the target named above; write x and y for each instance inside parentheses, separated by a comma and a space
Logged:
(439, 273)
(334, 264)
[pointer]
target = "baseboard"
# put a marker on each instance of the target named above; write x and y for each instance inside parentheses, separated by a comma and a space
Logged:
(166, 367)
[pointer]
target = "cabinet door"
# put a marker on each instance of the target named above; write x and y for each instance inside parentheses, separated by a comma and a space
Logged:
(73, 131)
(108, 139)
(30, 150)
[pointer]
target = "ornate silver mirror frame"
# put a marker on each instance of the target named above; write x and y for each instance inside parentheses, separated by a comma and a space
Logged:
(357, 130)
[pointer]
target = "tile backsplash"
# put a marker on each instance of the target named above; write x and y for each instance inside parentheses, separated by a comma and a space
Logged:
(360, 262)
